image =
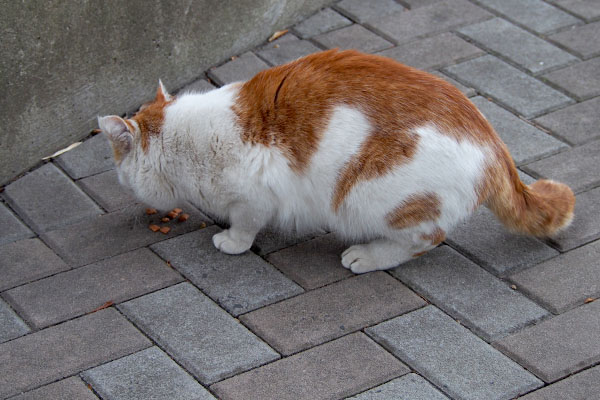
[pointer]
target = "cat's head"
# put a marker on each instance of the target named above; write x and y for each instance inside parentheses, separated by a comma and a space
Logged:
(138, 162)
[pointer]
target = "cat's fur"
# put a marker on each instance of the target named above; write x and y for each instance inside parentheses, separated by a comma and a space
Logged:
(357, 144)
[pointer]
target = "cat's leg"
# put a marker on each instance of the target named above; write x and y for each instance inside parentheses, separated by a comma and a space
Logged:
(387, 253)
(245, 222)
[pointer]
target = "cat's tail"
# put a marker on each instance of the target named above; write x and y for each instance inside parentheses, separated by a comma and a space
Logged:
(540, 209)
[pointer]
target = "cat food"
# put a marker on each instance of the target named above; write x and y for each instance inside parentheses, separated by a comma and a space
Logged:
(177, 210)
(165, 229)
(165, 219)
(172, 214)
(154, 228)
(151, 211)
(183, 217)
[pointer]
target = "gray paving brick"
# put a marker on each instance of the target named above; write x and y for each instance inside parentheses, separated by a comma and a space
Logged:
(581, 80)
(582, 40)
(72, 388)
(91, 157)
(147, 374)
(585, 9)
(256, 282)
(27, 260)
(586, 224)
(560, 346)
(578, 167)
(198, 86)
(324, 21)
(202, 337)
(511, 87)
(353, 37)
(537, 15)
(488, 306)
(106, 190)
(434, 52)
(361, 11)
(312, 264)
(525, 142)
(532, 53)
(63, 350)
(11, 326)
(115, 233)
(332, 311)
(438, 17)
(526, 179)
(412, 4)
(339, 368)
(486, 241)
(270, 240)
(410, 386)
(72, 293)
(46, 199)
(241, 68)
(286, 49)
(11, 228)
(563, 282)
(468, 91)
(576, 124)
(582, 386)
(434, 345)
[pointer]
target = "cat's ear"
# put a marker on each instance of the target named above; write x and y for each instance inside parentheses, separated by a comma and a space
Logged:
(117, 130)
(161, 93)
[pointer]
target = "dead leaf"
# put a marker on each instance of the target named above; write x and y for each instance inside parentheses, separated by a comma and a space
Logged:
(103, 306)
(513, 287)
(589, 300)
(278, 34)
(58, 153)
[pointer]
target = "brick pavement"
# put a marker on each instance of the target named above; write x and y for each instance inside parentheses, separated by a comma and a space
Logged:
(94, 305)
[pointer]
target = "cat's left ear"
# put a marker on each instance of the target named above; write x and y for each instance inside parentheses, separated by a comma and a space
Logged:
(117, 131)
(161, 94)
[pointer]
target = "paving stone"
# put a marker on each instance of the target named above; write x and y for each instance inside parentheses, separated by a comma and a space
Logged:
(270, 240)
(410, 386)
(560, 346)
(578, 167)
(525, 142)
(115, 233)
(336, 369)
(585, 9)
(198, 86)
(324, 21)
(434, 52)
(148, 374)
(63, 350)
(361, 11)
(314, 263)
(27, 260)
(582, 40)
(106, 190)
(286, 49)
(46, 199)
(526, 179)
(11, 228)
(11, 326)
(241, 68)
(72, 388)
(536, 15)
(514, 89)
(412, 4)
(488, 306)
(406, 26)
(91, 157)
(532, 53)
(435, 346)
(202, 337)
(563, 282)
(576, 124)
(257, 283)
(582, 386)
(581, 80)
(468, 91)
(485, 240)
(586, 224)
(353, 37)
(72, 293)
(332, 311)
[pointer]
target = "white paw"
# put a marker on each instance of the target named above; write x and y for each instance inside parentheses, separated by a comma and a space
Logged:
(358, 259)
(224, 242)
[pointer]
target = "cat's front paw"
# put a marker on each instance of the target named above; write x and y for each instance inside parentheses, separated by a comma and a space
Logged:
(358, 259)
(229, 245)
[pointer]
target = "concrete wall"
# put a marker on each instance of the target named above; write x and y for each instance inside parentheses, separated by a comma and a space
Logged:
(63, 62)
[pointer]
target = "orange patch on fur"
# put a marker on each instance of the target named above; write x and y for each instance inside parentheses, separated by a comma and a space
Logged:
(436, 237)
(150, 118)
(415, 210)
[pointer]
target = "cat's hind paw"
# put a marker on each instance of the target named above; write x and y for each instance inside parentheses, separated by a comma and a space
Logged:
(358, 259)
(229, 245)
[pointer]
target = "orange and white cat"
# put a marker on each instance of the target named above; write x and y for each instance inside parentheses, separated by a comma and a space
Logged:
(357, 144)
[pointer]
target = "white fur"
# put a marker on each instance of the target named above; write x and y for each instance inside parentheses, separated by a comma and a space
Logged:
(200, 158)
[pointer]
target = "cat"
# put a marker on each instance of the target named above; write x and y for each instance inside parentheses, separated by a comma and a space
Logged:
(378, 152)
